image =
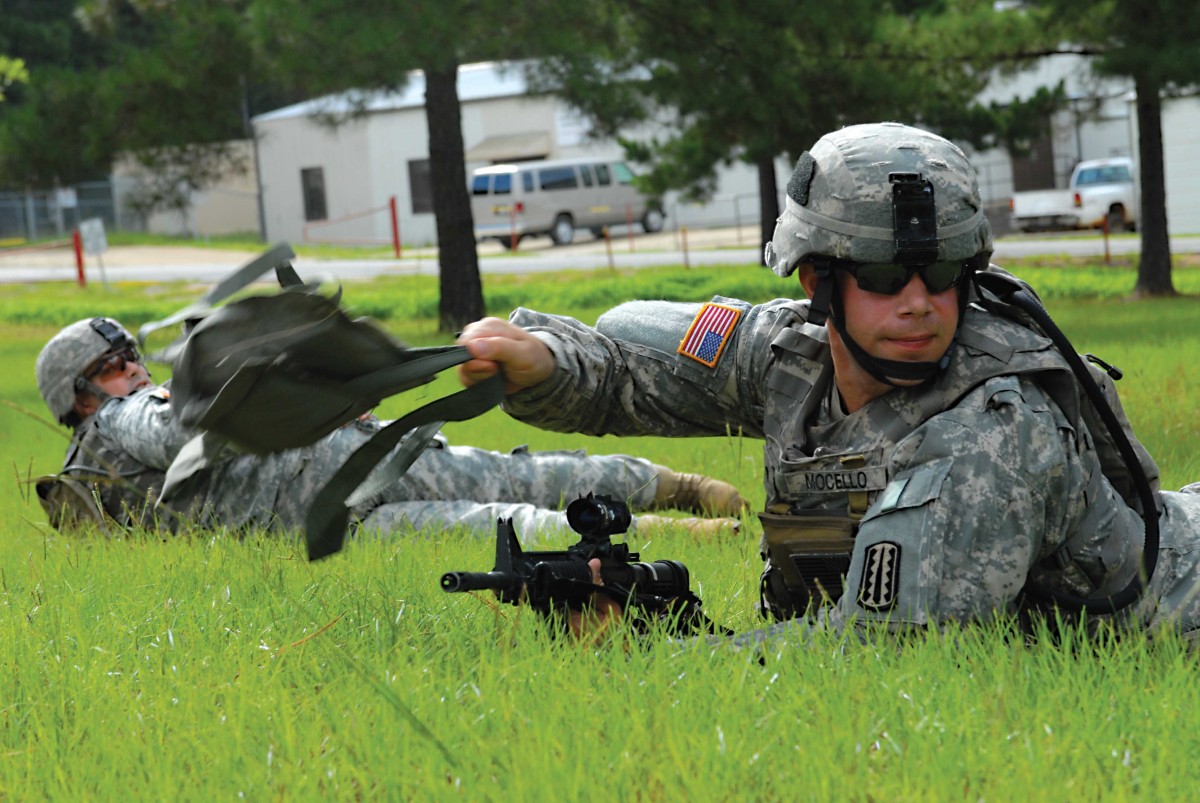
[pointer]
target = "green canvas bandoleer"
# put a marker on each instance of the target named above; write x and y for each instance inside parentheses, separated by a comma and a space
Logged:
(278, 258)
(282, 371)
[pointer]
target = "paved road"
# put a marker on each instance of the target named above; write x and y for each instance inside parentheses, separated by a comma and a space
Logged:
(722, 246)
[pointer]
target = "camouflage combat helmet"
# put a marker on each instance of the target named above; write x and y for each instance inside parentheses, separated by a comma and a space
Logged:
(881, 193)
(63, 360)
(840, 198)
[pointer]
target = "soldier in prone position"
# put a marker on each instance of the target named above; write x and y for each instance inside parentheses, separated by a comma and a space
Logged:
(930, 454)
(92, 378)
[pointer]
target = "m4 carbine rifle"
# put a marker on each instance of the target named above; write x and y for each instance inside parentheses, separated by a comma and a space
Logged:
(552, 580)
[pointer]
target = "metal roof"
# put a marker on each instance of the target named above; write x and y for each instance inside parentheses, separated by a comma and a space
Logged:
(481, 81)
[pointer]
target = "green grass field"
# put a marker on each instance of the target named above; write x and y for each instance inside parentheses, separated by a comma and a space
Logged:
(211, 667)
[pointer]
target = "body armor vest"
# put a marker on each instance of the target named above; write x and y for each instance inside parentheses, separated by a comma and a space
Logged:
(822, 473)
(101, 483)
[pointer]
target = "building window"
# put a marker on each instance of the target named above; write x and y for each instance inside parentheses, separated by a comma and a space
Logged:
(312, 184)
(420, 186)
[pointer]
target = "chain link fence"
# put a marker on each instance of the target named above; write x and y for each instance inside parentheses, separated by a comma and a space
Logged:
(33, 215)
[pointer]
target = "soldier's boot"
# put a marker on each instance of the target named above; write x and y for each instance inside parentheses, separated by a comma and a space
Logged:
(697, 494)
(703, 528)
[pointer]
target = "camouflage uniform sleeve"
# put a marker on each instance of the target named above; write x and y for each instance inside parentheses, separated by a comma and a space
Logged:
(627, 376)
(142, 424)
(982, 497)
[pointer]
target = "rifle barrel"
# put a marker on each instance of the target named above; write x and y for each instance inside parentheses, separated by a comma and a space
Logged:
(453, 582)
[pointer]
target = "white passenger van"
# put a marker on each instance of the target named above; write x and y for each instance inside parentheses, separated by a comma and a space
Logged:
(526, 199)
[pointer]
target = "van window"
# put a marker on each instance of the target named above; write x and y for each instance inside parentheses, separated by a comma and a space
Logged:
(558, 178)
(527, 181)
(585, 173)
(479, 185)
(623, 174)
(503, 184)
(602, 177)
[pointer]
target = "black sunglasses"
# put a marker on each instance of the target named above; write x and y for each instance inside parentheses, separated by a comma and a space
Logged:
(112, 363)
(888, 278)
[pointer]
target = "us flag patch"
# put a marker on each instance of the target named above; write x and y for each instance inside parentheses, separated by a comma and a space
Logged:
(709, 332)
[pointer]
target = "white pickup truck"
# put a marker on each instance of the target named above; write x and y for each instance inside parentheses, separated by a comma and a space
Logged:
(1101, 191)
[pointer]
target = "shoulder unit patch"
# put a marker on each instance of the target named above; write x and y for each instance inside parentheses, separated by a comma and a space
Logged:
(880, 577)
(709, 332)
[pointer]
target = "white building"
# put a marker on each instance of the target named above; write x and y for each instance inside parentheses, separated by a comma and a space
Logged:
(228, 206)
(1181, 158)
(1095, 124)
(327, 184)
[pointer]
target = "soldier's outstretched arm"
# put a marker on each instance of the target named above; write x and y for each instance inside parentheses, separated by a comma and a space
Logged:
(496, 344)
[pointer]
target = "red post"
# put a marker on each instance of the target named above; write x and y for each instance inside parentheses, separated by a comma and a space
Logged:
(1107, 257)
(77, 241)
(608, 249)
(395, 226)
(683, 237)
(512, 227)
(629, 224)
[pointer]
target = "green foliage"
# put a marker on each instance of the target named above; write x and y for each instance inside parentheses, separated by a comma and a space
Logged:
(750, 84)
(157, 80)
(52, 130)
(12, 71)
(46, 33)
(1154, 41)
(305, 42)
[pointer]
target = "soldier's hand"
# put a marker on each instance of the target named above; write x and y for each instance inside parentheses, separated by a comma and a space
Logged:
(495, 343)
(590, 624)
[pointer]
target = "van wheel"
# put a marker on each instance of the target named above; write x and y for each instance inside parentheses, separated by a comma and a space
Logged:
(1116, 219)
(652, 221)
(507, 242)
(598, 232)
(563, 230)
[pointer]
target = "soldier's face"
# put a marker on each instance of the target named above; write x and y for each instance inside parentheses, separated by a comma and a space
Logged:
(914, 325)
(119, 374)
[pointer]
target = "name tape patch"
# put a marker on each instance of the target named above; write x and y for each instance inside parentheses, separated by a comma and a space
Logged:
(709, 332)
(870, 478)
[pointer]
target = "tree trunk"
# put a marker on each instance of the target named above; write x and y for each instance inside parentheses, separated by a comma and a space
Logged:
(1154, 270)
(461, 290)
(768, 200)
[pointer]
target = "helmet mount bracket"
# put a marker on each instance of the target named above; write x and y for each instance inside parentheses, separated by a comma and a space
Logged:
(914, 219)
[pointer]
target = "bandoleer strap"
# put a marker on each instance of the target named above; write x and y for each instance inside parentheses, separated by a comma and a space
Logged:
(282, 371)
(277, 257)
(1008, 290)
(325, 524)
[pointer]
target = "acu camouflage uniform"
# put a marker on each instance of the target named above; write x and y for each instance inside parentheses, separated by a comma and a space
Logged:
(125, 448)
(964, 487)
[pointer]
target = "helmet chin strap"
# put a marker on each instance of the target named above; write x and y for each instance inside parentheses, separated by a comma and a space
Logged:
(85, 386)
(888, 371)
